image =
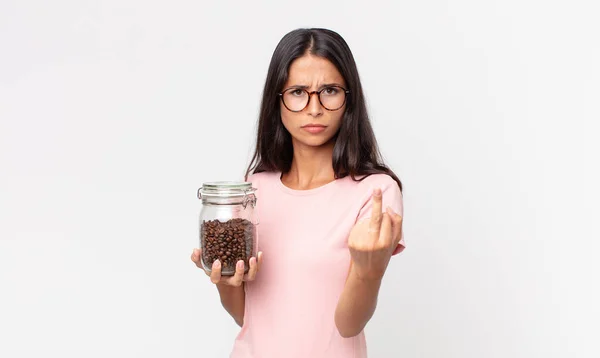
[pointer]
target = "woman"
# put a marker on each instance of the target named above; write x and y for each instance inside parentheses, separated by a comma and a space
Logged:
(329, 210)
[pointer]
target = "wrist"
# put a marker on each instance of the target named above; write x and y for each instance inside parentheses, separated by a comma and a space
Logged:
(225, 288)
(365, 277)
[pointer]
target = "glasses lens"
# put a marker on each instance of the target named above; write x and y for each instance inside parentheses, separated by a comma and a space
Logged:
(295, 99)
(333, 98)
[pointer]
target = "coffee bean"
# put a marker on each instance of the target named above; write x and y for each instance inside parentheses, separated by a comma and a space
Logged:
(228, 241)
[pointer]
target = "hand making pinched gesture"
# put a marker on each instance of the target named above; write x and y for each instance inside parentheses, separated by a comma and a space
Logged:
(372, 241)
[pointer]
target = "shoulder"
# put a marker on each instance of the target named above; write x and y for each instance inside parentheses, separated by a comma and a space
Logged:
(391, 194)
(381, 181)
(362, 188)
(262, 177)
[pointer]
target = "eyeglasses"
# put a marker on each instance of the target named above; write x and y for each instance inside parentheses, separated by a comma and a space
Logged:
(331, 98)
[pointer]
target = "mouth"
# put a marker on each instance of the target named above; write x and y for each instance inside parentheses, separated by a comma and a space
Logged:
(314, 128)
(314, 125)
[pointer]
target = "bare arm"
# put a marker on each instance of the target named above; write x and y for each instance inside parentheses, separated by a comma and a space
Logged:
(233, 300)
(231, 289)
(371, 245)
(356, 305)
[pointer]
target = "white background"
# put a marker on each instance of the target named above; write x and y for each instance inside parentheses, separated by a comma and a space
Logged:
(113, 113)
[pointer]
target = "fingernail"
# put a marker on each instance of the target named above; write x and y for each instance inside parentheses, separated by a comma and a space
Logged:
(217, 264)
(240, 265)
(377, 192)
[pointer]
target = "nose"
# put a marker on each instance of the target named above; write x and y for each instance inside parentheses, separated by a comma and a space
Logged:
(314, 107)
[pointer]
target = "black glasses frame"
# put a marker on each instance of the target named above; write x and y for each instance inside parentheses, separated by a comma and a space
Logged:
(318, 96)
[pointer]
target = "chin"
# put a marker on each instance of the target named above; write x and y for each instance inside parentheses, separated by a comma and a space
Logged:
(314, 141)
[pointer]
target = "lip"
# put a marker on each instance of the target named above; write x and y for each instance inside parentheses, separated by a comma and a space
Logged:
(314, 128)
(314, 125)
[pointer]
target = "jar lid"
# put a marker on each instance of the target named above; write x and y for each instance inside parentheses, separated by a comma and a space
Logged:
(226, 189)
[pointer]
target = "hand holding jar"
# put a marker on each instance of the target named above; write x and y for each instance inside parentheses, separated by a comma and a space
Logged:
(239, 276)
(228, 236)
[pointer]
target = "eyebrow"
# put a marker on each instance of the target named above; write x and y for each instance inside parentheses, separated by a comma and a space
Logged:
(320, 87)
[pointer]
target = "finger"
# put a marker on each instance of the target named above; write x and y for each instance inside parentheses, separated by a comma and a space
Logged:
(196, 258)
(253, 269)
(396, 226)
(376, 214)
(238, 277)
(215, 274)
(259, 261)
(385, 235)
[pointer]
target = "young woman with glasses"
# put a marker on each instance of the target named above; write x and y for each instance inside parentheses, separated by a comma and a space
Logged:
(330, 210)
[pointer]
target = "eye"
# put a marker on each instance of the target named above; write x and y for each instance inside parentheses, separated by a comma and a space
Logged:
(331, 91)
(296, 92)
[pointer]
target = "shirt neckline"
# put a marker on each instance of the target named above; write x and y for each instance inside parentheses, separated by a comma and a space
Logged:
(305, 192)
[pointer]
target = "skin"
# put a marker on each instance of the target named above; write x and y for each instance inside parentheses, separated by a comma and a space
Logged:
(371, 242)
(311, 165)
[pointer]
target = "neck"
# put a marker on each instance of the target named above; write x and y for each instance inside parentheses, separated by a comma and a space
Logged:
(311, 167)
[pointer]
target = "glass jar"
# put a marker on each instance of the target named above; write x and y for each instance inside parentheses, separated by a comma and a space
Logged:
(228, 222)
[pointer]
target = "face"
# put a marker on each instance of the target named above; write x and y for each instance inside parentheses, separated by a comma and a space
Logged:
(313, 126)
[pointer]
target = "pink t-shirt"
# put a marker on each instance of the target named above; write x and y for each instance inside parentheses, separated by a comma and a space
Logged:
(303, 235)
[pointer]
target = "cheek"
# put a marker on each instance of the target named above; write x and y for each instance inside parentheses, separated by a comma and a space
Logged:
(287, 119)
(336, 120)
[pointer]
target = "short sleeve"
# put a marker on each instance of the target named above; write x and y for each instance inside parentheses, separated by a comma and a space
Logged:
(391, 196)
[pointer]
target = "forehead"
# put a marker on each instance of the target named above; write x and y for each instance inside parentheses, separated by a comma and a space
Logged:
(312, 70)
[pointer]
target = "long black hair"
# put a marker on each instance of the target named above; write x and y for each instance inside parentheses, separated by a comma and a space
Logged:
(355, 151)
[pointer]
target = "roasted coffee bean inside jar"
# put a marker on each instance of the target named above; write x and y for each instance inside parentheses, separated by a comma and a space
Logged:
(228, 242)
